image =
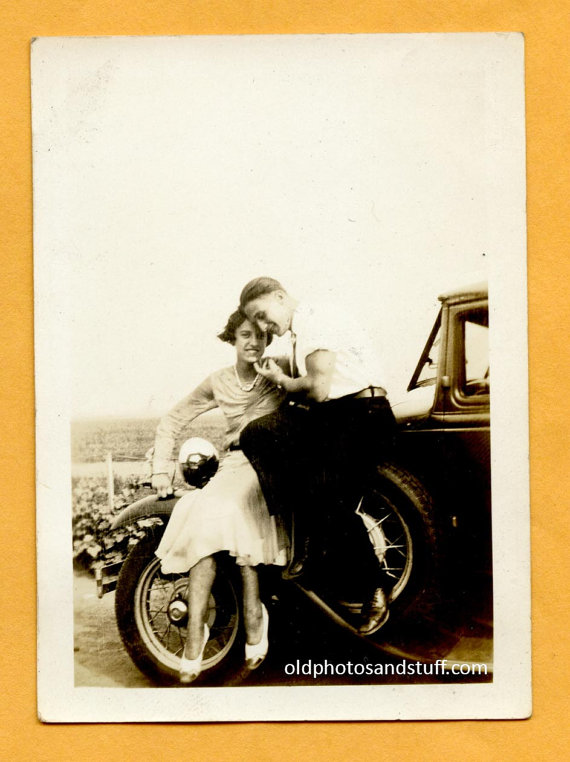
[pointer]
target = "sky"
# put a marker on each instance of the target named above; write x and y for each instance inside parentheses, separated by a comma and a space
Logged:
(373, 170)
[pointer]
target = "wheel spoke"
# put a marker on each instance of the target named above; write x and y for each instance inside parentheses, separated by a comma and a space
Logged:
(152, 595)
(378, 523)
(392, 571)
(398, 542)
(164, 638)
(395, 547)
(162, 608)
(160, 635)
(387, 536)
(181, 647)
(152, 618)
(156, 611)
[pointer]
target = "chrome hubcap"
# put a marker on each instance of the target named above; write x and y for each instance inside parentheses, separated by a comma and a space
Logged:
(178, 612)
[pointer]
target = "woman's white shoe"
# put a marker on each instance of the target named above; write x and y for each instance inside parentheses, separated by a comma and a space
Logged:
(191, 668)
(255, 654)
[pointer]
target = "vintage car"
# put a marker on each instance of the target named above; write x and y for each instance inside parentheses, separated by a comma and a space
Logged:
(428, 516)
(444, 441)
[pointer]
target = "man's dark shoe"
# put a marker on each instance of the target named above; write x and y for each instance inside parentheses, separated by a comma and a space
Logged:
(298, 563)
(375, 614)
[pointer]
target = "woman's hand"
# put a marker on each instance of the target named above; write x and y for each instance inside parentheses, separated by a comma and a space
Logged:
(162, 484)
(271, 371)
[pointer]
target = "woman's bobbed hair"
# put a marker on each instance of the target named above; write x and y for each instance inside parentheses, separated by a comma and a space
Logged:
(234, 322)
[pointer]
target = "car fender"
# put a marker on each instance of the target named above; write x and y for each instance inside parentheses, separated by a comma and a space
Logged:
(148, 506)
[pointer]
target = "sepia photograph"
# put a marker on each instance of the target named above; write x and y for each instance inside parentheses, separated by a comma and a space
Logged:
(272, 273)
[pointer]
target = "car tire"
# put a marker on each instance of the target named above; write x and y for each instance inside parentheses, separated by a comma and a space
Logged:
(144, 613)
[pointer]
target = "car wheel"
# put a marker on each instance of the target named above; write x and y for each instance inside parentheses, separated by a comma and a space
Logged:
(152, 615)
(398, 514)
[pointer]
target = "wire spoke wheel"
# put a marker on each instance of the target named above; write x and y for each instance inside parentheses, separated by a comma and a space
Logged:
(152, 615)
(390, 537)
(165, 638)
(398, 515)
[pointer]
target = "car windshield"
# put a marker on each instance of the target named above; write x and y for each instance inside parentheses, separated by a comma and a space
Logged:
(426, 371)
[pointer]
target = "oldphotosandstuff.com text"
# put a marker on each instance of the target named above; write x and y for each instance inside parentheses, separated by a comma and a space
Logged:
(441, 667)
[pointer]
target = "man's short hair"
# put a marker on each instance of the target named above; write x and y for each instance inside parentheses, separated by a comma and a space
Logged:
(256, 288)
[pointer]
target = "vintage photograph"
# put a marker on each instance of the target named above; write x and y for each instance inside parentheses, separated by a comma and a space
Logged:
(272, 274)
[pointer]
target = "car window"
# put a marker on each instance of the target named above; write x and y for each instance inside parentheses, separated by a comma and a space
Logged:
(476, 375)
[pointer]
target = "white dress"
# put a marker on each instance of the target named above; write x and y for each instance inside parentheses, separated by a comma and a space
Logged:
(229, 513)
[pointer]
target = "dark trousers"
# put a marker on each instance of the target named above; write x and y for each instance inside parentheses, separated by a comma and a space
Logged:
(316, 461)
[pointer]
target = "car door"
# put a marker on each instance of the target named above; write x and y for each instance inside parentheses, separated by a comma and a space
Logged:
(466, 420)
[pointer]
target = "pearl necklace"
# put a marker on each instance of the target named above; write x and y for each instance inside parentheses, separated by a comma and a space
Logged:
(245, 387)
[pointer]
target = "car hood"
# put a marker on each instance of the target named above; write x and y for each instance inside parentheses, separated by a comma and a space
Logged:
(414, 405)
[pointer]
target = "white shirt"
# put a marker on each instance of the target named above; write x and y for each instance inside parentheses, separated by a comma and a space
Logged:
(326, 326)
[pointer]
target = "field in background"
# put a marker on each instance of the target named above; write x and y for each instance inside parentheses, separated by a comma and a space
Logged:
(91, 440)
(127, 438)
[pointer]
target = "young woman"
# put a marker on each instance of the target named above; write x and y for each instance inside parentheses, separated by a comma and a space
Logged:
(229, 513)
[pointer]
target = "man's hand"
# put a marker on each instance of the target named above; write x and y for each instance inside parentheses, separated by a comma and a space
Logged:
(270, 370)
(162, 484)
(315, 384)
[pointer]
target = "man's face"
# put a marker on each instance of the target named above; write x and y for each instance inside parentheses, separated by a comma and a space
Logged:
(270, 312)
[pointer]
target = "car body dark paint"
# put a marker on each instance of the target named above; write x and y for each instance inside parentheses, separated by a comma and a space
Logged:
(446, 441)
(146, 507)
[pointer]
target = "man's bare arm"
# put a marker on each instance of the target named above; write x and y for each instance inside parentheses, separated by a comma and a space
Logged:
(316, 384)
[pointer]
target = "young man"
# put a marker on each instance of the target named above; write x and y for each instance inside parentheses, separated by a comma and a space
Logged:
(316, 454)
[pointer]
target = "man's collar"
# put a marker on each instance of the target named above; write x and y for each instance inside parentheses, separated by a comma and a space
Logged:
(297, 310)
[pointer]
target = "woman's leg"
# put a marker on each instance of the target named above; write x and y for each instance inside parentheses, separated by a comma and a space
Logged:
(251, 605)
(200, 581)
(256, 619)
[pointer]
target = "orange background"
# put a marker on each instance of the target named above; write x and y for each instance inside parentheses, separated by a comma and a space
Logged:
(546, 25)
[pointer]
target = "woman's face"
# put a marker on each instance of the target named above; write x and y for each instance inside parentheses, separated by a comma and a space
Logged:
(250, 342)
